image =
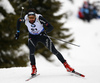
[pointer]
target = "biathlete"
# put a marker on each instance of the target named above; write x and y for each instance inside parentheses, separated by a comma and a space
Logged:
(37, 33)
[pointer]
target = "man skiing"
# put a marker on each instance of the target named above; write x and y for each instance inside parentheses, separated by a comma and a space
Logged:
(37, 33)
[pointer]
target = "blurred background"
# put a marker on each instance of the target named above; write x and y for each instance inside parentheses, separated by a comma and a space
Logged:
(75, 21)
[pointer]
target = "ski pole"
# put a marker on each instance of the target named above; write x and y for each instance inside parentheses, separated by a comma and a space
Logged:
(22, 12)
(31, 42)
(64, 41)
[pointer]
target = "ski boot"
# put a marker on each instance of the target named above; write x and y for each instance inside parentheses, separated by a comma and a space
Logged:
(34, 70)
(69, 69)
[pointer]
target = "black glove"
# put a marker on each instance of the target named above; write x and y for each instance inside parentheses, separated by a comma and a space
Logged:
(17, 35)
(44, 33)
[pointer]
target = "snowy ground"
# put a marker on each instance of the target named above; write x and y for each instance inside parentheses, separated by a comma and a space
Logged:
(85, 59)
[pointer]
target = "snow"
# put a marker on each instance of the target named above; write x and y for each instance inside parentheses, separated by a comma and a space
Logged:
(6, 5)
(84, 59)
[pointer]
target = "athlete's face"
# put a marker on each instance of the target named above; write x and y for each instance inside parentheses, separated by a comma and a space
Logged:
(32, 18)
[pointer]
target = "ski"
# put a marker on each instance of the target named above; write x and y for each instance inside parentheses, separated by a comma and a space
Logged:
(32, 77)
(77, 73)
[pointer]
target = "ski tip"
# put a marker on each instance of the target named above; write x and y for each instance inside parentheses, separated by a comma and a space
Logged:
(32, 77)
(83, 75)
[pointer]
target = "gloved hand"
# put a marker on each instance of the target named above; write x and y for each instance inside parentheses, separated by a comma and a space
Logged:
(44, 33)
(17, 35)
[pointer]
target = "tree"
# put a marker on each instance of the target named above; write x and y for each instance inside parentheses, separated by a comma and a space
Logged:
(47, 8)
(9, 46)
